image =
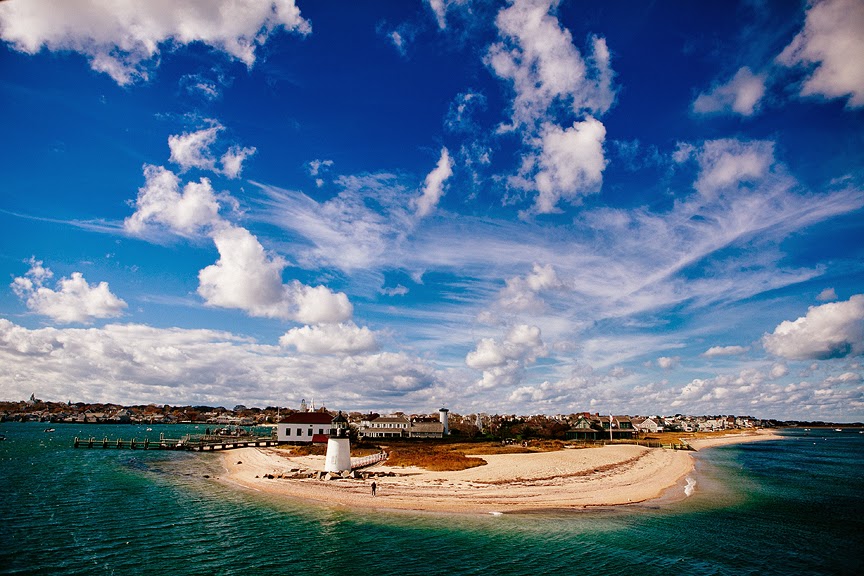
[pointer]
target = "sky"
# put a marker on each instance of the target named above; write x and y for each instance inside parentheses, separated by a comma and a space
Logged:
(505, 207)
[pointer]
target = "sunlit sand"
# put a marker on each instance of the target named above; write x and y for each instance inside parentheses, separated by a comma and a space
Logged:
(567, 479)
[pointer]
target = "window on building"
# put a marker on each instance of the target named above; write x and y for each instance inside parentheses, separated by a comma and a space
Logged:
(309, 432)
(287, 431)
(320, 431)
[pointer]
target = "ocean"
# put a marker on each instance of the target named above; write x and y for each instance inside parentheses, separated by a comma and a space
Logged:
(793, 506)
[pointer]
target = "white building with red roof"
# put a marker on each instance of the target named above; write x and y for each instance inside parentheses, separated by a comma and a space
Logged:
(304, 427)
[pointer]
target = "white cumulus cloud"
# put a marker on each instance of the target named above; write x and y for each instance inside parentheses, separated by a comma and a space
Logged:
(248, 278)
(73, 300)
(833, 330)
(741, 95)
(503, 363)
(232, 161)
(343, 338)
(779, 370)
(245, 277)
(134, 364)
(570, 163)
(520, 293)
(125, 38)
(832, 44)
(536, 54)
(550, 77)
(161, 202)
(193, 150)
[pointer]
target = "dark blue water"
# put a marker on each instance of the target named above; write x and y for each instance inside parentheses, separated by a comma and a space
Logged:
(779, 507)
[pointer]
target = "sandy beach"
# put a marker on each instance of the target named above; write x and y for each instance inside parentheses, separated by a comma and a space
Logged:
(567, 479)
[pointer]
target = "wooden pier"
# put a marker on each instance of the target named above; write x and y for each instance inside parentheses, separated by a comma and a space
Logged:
(189, 443)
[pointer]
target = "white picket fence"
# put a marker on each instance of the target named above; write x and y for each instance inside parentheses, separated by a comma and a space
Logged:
(364, 461)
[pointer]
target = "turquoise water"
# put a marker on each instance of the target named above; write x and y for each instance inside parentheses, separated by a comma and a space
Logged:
(780, 507)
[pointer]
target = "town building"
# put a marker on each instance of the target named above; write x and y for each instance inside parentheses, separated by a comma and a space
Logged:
(648, 425)
(401, 427)
(304, 427)
(596, 427)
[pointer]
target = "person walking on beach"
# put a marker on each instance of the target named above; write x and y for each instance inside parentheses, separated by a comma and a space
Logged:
(374, 487)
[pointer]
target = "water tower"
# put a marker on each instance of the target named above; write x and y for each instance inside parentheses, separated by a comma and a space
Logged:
(338, 446)
(442, 415)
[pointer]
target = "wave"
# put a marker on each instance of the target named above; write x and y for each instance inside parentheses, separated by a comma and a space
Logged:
(690, 486)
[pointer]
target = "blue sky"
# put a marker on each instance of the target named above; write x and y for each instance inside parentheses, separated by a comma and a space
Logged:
(527, 207)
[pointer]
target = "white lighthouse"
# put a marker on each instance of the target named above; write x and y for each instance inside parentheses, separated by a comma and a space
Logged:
(338, 446)
(442, 415)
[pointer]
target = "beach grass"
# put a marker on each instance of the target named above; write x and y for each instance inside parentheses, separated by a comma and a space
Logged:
(446, 457)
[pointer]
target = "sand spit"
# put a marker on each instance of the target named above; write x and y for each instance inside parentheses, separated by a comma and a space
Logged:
(568, 479)
(740, 438)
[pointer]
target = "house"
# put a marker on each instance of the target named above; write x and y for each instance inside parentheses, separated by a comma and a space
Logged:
(622, 423)
(648, 425)
(712, 424)
(122, 416)
(585, 428)
(95, 417)
(598, 427)
(304, 427)
(622, 427)
(426, 428)
(385, 427)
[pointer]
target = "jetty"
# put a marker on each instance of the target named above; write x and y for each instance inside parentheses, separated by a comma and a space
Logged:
(202, 443)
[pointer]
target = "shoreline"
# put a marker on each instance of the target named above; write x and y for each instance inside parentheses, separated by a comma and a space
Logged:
(569, 479)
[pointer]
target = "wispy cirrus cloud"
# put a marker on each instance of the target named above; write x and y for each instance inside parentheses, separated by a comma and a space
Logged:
(440, 7)
(742, 196)
(433, 188)
(716, 351)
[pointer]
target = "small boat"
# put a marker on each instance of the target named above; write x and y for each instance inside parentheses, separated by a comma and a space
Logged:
(149, 429)
(838, 429)
(49, 429)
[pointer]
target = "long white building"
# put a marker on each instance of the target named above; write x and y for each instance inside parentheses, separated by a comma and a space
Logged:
(304, 427)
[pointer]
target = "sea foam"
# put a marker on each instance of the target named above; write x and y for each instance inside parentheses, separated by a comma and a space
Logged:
(690, 486)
